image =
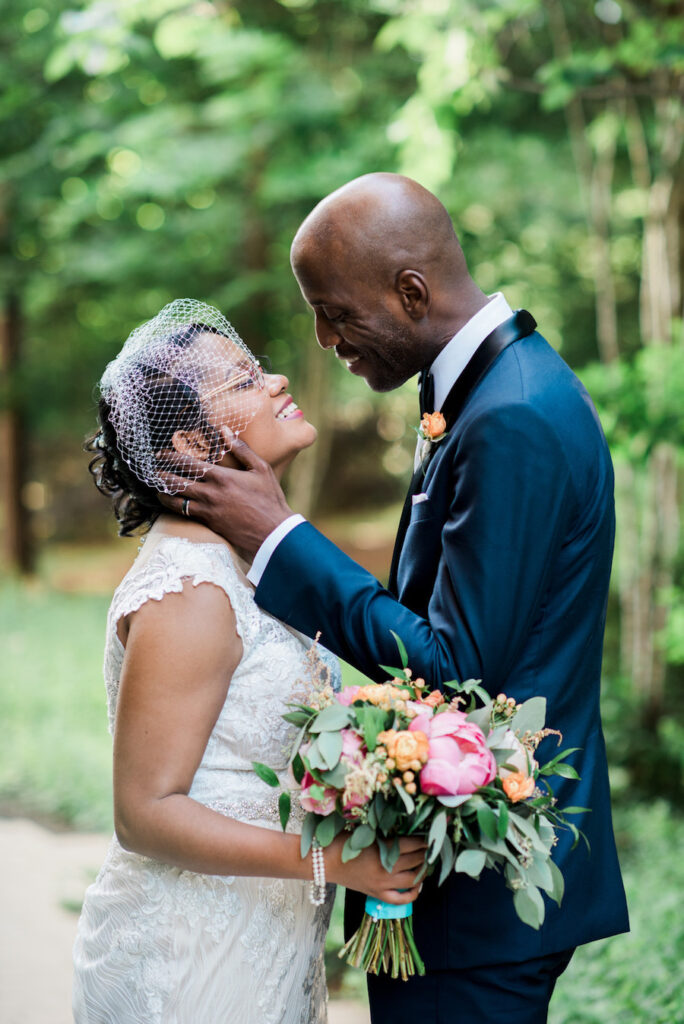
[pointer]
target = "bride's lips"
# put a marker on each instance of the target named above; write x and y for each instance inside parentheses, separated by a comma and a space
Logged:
(289, 410)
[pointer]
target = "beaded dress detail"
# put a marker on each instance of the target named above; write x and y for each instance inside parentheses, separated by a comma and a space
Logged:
(159, 945)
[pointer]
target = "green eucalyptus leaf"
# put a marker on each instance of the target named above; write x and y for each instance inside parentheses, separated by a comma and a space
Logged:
(298, 718)
(332, 718)
(448, 856)
(330, 747)
(436, 836)
(328, 828)
(308, 829)
(502, 821)
(529, 906)
(348, 851)
(470, 862)
(454, 801)
(481, 717)
(539, 873)
(558, 888)
(531, 716)
(336, 777)
(362, 837)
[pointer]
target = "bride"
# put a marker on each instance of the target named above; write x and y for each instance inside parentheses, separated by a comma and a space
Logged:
(204, 911)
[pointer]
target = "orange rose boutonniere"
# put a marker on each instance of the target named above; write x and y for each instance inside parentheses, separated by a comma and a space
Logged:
(432, 429)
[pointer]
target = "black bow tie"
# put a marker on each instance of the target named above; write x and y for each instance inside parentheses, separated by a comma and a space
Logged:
(426, 384)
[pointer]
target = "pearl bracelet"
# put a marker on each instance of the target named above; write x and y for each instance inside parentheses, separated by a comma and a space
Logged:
(317, 889)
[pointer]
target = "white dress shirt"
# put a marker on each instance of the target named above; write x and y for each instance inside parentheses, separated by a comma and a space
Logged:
(445, 370)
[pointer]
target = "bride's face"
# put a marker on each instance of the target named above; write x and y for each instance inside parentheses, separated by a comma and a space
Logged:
(253, 405)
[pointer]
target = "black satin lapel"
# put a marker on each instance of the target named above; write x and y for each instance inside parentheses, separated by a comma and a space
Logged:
(520, 325)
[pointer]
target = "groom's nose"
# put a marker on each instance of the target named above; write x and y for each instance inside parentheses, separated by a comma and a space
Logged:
(326, 332)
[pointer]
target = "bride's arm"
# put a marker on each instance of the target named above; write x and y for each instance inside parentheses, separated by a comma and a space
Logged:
(180, 655)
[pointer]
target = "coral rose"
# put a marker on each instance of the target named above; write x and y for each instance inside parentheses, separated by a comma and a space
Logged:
(406, 748)
(460, 760)
(518, 786)
(434, 699)
(432, 425)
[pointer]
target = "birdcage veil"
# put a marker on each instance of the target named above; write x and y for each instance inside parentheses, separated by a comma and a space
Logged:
(182, 374)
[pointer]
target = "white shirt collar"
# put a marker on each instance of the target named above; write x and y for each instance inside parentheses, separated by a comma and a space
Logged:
(456, 354)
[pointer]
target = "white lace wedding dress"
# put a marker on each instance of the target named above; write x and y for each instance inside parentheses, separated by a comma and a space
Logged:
(157, 945)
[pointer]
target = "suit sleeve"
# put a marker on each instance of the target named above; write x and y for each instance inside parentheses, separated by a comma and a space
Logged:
(512, 499)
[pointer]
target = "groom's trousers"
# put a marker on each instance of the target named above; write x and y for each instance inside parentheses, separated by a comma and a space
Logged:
(514, 993)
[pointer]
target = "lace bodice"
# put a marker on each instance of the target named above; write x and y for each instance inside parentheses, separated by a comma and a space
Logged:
(271, 672)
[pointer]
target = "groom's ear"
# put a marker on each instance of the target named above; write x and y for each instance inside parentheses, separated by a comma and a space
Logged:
(414, 293)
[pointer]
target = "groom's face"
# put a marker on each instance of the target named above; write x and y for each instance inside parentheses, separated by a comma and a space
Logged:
(363, 323)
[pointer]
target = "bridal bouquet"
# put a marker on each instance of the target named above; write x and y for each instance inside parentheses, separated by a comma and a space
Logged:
(396, 759)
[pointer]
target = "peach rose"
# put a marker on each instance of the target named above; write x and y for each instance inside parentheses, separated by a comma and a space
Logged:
(518, 786)
(407, 749)
(434, 699)
(432, 425)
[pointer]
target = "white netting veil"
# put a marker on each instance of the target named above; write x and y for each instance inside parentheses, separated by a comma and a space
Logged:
(179, 378)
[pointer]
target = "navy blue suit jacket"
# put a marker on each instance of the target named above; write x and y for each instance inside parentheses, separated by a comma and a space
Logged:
(503, 576)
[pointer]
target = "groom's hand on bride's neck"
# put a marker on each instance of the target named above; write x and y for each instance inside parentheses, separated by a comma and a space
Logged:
(242, 504)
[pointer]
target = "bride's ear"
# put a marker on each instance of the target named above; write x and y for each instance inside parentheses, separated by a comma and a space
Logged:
(191, 442)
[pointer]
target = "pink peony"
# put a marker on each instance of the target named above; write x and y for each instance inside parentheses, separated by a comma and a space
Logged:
(323, 806)
(460, 761)
(348, 695)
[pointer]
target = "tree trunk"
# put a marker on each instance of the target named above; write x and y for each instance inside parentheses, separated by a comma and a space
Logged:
(16, 540)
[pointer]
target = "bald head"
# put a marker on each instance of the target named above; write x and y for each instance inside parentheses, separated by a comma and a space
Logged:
(379, 263)
(382, 224)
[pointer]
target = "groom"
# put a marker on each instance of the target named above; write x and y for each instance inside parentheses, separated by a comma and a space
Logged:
(500, 570)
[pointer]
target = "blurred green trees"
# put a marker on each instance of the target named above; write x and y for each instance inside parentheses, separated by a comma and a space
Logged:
(166, 148)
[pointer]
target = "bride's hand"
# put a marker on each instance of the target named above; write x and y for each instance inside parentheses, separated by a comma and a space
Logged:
(367, 875)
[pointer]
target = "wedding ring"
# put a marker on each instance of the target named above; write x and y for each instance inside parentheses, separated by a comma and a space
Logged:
(185, 507)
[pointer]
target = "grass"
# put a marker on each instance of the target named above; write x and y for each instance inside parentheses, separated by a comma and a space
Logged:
(55, 762)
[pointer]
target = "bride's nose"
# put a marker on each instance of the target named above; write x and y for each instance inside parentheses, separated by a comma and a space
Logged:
(276, 383)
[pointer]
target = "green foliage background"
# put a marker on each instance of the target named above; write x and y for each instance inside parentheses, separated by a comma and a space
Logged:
(171, 147)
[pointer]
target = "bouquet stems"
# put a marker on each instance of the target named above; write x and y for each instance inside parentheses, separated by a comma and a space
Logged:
(384, 942)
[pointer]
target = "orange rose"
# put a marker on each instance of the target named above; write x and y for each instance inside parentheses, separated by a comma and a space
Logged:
(432, 425)
(433, 699)
(405, 748)
(518, 786)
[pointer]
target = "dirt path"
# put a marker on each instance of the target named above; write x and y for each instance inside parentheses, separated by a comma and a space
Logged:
(43, 875)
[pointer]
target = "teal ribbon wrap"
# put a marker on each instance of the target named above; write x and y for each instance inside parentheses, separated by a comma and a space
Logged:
(381, 911)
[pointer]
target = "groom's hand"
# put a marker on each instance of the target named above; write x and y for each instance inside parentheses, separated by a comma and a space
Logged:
(243, 505)
(367, 875)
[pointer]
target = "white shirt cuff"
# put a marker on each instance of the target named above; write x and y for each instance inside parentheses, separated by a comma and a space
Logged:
(263, 555)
